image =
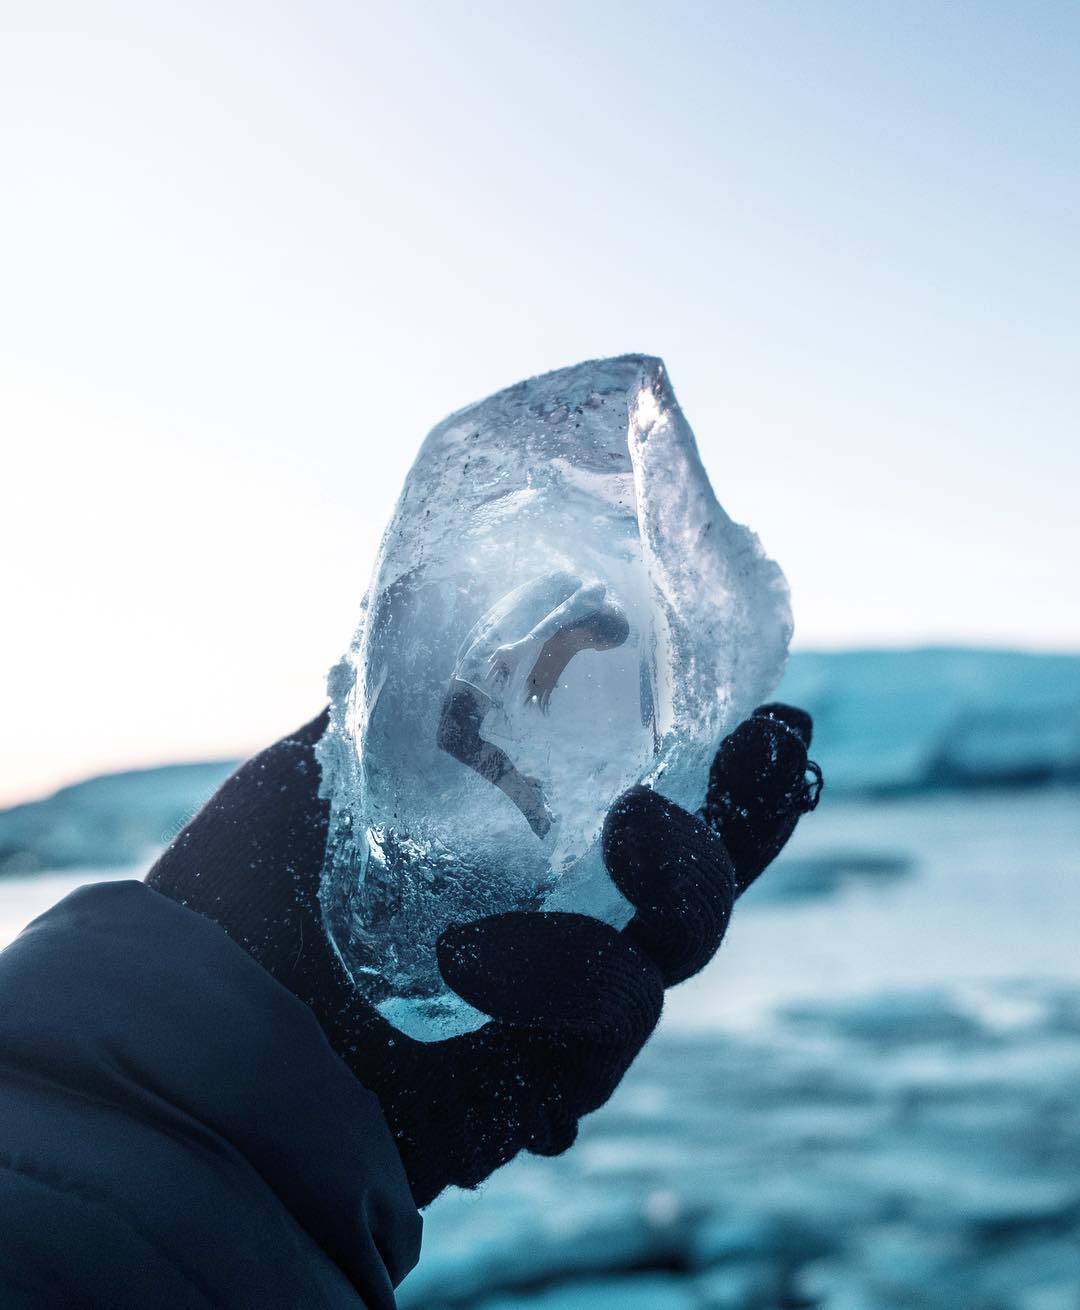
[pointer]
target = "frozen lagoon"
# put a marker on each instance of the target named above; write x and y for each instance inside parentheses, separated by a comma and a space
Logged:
(869, 1100)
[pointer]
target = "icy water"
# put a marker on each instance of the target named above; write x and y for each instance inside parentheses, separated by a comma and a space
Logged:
(870, 1101)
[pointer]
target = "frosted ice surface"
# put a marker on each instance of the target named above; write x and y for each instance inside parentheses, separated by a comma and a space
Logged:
(559, 609)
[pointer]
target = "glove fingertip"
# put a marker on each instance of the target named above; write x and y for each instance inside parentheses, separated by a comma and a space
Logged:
(552, 1137)
(760, 783)
(799, 721)
(644, 830)
(561, 972)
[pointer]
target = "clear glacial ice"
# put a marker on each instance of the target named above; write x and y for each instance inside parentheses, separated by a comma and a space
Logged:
(560, 609)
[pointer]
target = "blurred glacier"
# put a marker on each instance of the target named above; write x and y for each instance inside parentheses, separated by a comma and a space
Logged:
(559, 609)
(113, 821)
(890, 721)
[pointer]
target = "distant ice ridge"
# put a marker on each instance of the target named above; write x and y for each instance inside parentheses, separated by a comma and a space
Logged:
(560, 608)
(112, 821)
(885, 721)
(939, 719)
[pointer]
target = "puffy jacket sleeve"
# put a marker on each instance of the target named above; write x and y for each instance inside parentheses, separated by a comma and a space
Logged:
(176, 1131)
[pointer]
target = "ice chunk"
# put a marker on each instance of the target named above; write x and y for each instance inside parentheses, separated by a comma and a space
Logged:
(559, 609)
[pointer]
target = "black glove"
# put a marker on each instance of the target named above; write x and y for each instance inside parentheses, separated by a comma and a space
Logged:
(571, 999)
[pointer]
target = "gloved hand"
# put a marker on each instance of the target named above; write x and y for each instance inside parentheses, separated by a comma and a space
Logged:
(571, 999)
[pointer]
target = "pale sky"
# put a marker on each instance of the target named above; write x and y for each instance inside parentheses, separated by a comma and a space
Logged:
(251, 253)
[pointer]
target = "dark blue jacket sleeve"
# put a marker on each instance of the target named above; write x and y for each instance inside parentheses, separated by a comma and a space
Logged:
(176, 1131)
